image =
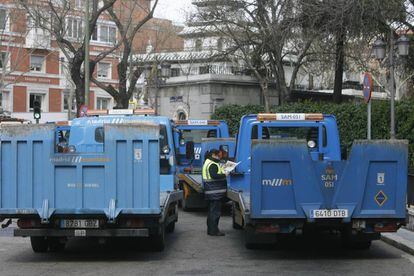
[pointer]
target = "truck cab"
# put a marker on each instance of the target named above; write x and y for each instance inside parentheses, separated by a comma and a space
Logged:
(193, 132)
(291, 178)
(87, 136)
(193, 138)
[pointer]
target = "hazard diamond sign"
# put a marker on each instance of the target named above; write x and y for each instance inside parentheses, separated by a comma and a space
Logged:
(380, 198)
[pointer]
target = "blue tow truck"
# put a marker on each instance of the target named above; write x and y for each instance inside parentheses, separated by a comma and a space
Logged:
(192, 139)
(291, 180)
(106, 176)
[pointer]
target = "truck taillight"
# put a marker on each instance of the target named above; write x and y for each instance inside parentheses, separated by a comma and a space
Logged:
(132, 223)
(28, 223)
(386, 227)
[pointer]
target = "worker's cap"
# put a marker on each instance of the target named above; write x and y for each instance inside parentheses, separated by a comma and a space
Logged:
(214, 151)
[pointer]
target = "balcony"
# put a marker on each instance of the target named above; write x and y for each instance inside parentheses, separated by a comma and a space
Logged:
(38, 39)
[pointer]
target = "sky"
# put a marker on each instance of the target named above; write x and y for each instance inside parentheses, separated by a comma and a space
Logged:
(174, 10)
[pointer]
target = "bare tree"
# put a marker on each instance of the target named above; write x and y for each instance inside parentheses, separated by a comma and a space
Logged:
(53, 16)
(125, 17)
(342, 24)
(265, 34)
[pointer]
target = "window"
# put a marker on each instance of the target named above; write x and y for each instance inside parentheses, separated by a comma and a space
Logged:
(102, 103)
(1, 101)
(78, 4)
(220, 44)
(104, 70)
(95, 34)
(175, 72)
(33, 98)
(198, 45)
(66, 102)
(74, 28)
(99, 135)
(3, 19)
(37, 63)
(196, 135)
(107, 34)
(3, 59)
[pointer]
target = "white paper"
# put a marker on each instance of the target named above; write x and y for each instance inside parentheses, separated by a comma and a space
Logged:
(229, 166)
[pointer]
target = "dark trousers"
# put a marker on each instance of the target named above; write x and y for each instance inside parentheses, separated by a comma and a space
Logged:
(213, 216)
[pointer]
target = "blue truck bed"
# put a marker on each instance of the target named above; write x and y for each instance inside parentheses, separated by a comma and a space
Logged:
(117, 186)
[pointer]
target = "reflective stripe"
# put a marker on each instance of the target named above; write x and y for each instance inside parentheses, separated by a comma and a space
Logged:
(205, 171)
(215, 191)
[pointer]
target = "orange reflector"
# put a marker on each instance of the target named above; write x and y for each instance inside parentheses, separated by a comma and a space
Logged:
(146, 111)
(96, 112)
(63, 123)
(290, 117)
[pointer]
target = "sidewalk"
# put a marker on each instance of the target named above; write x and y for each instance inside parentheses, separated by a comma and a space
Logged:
(404, 238)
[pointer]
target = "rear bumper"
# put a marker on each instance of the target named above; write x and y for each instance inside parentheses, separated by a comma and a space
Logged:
(144, 232)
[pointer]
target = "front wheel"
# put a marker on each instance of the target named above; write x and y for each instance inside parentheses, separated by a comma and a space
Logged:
(39, 244)
(170, 228)
(233, 215)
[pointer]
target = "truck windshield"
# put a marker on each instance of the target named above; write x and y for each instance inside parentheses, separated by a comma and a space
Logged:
(306, 133)
(100, 136)
(195, 135)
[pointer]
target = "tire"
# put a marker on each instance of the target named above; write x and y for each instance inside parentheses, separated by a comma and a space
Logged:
(233, 215)
(158, 241)
(39, 244)
(170, 228)
(249, 238)
(56, 245)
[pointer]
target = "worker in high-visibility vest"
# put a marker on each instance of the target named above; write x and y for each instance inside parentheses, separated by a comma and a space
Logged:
(215, 189)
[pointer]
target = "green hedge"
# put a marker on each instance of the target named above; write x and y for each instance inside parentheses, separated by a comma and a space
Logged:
(352, 118)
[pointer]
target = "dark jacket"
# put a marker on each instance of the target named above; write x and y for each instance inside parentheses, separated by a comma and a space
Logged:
(215, 189)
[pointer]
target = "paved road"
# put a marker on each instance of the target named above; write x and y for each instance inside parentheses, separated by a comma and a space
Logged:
(190, 251)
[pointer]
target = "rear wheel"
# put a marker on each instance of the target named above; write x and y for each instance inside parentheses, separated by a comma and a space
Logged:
(56, 244)
(158, 240)
(249, 238)
(39, 244)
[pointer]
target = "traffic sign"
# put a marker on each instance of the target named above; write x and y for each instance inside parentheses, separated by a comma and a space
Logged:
(368, 86)
(83, 111)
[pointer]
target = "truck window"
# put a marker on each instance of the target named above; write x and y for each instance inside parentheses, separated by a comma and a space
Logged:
(195, 135)
(62, 141)
(163, 137)
(99, 135)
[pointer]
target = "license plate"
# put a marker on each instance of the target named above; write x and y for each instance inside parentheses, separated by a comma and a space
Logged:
(79, 223)
(332, 213)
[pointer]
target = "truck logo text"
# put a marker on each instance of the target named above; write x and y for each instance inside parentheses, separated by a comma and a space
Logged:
(277, 182)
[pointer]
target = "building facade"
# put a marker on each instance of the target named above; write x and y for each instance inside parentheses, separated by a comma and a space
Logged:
(33, 68)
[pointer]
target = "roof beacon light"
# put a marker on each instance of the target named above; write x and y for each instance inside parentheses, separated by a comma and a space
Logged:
(143, 111)
(198, 122)
(290, 117)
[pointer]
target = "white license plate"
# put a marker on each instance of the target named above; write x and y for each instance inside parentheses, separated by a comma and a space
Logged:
(332, 213)
(79, 223)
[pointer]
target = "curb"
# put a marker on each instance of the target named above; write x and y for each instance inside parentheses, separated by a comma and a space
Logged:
(398, 243)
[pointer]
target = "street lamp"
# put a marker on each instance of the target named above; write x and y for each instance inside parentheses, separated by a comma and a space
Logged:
(379, 48)
(157, 79)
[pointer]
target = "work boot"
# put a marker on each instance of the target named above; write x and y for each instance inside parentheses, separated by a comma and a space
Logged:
(219, 233)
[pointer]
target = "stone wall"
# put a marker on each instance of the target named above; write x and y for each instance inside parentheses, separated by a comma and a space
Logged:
(198, 96)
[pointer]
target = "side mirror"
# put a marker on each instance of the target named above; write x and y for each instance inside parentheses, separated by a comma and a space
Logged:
(189, 150)
(166, 150)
